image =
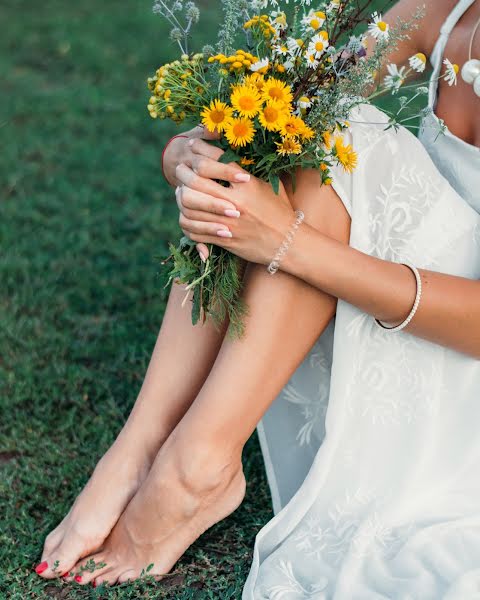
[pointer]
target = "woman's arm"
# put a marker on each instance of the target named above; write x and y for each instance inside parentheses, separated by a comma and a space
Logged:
(449, 312)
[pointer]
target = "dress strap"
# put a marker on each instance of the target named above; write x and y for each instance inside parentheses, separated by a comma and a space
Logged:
(436, 57)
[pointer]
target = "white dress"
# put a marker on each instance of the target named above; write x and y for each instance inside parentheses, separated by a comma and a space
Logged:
(372, 450)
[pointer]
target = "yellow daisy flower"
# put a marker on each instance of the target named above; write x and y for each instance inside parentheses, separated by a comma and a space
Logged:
(327, 139)
(346, 155)
(255, 79)
(288, 146)
(239, 132)
(275, 89)
(273, 115)
(216, 116)
(292, 126)
(307, 133)
(246, 100)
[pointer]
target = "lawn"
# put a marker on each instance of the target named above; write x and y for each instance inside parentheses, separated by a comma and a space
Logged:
(84, 217)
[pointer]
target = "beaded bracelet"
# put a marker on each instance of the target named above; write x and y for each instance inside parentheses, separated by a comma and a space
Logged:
(275, 264)
(167, 145)
(415, 304)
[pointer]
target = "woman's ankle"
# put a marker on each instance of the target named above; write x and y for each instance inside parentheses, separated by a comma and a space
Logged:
(202, 467)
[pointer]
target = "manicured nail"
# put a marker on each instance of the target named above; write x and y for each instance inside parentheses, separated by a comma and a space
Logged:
(232, 213)
(66, 574)
(78, 578)
(202, 256)
(43, 566)
(224, 233)
(244, 177)
(190, 142)
(94, 583)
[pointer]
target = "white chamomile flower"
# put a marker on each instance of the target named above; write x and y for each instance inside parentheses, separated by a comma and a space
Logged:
(289, 64)
(261, 66)
(333, 5)
(418, 62)
(378, 28)
(281, 50)
(395, 78)
(314, 20)
(295, 46)
(312, 60)
(318, 44)
(451, 71)
(304, 102)
(279, 20)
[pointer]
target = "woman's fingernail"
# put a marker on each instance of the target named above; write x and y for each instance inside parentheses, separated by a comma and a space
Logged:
(190, 142)
(224, 233)
(43, 566)
(94, 583)
(78, 578)
(66, 574)
(232, 213)
(202, 256)
(242, 177)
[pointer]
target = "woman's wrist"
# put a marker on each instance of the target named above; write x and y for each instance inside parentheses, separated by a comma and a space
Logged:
(380, 288)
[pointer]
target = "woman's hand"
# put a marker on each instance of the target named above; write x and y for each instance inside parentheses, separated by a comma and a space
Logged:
(195, 152)
(253, 230)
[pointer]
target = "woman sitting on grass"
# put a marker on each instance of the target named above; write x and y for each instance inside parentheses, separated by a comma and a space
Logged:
(379, 498)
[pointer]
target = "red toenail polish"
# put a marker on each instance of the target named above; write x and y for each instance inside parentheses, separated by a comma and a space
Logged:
(43, 566)
(78, 578)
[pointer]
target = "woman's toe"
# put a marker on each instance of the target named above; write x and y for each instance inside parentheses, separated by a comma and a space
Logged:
(90, 568)
(129, 575)
(52, 541)
(64, 557)
(110, 577)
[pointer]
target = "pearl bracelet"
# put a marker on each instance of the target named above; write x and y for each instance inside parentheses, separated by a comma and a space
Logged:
(415, 304)
(275, 264)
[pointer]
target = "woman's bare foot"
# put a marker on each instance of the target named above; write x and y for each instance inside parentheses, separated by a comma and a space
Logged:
(115, 480)
(185, 493)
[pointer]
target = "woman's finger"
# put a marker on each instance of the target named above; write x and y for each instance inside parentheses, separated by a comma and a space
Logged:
(187, 177)
(203, 251)
(198, 201)
(203, 228)
(201, 147)
(212, 169)
(209, 135)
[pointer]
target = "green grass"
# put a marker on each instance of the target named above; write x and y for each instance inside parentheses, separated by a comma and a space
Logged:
(84, 216)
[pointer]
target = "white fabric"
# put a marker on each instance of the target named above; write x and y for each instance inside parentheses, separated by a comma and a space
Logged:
(390, 508)
(458, 161)
(372, 450)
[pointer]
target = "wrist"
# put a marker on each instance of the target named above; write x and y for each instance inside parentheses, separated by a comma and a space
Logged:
(287, 239)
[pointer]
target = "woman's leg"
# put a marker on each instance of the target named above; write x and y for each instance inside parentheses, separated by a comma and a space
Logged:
(181, 360)
(196, 478)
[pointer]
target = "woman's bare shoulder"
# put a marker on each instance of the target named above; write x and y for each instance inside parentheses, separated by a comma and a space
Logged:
(422, 39)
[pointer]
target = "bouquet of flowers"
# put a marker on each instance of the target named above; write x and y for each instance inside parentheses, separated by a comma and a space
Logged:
(278, 88)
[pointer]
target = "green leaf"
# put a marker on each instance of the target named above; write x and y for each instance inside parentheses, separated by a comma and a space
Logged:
(196, 308)
(150, 567)
(275, 182)
(229, 156)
